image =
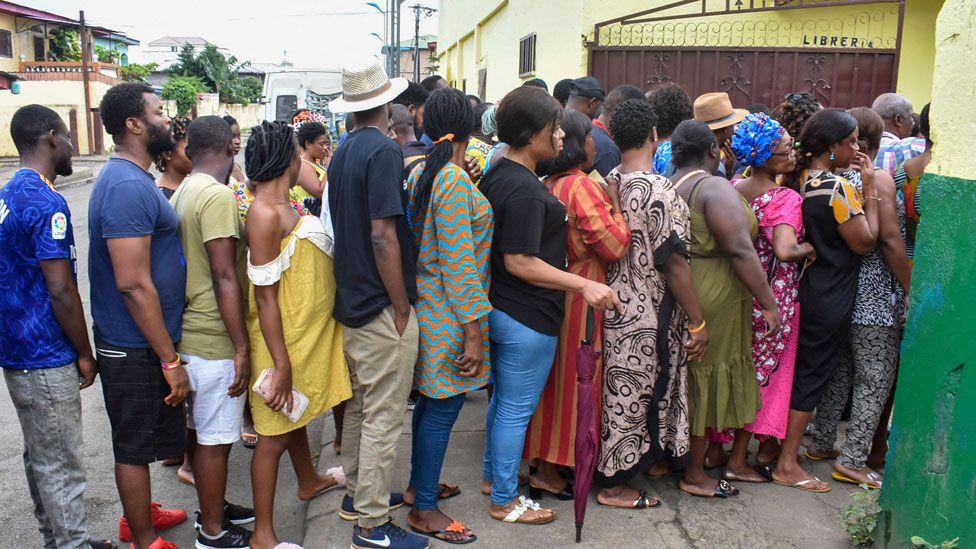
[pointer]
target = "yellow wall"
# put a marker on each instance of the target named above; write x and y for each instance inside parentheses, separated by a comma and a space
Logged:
(11, 64)
(953, 109)
(60, 95)
(497, 26)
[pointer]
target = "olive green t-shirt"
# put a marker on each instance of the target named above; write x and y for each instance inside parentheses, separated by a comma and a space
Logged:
(207, 211)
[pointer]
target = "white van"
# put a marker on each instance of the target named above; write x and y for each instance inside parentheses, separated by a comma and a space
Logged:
(290, 90)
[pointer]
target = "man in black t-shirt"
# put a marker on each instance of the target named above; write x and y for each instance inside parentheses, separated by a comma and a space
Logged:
(375, 288)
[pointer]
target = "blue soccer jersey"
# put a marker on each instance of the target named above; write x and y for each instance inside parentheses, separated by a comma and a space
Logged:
(35, 225)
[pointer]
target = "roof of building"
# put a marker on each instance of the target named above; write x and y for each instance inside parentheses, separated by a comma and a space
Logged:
(424, 40)
(26, 12)
(179, 41)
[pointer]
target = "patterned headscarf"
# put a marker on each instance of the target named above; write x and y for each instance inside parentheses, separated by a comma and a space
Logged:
(488, 124)
(306, 115)
(755, 139)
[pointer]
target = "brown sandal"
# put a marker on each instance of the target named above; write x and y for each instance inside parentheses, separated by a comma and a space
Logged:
(516, 514)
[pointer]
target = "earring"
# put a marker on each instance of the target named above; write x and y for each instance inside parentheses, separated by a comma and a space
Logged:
(832, 157)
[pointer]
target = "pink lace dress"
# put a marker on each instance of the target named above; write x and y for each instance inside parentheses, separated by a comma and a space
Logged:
(776, 356)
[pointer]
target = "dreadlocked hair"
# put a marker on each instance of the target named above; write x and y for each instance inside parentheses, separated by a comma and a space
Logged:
(179, 125)
(447, 111)
(794, 112)
(269, 152)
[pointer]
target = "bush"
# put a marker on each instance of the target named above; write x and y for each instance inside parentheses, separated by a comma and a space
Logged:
(183, 90)
(861, 517)
(106, 55)
(244, 90)
(134, 72)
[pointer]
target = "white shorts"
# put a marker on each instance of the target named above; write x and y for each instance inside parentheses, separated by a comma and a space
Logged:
(215, 416)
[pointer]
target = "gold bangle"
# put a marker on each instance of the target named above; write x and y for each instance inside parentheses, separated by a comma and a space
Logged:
(697, 329)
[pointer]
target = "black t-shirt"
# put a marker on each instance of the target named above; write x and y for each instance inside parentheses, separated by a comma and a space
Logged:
(366, 183)
(528, 220)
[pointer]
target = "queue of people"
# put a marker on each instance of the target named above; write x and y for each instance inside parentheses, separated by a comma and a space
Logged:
(744, 274)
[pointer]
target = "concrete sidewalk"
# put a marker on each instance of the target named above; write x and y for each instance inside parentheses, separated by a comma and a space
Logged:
(761, 516)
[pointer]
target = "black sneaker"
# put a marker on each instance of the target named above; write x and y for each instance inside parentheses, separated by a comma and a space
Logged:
(233, 537)
(387, 536)
(348, 511)
(233, 514)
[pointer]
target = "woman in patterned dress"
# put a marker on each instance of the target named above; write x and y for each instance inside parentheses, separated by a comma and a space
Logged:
(648, 345)
(452, 226)
(596, 234)
(765, 146)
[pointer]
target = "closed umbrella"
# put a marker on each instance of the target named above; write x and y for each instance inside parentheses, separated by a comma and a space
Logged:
(586, 425)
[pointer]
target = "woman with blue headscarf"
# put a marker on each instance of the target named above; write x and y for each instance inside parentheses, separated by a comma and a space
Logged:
(766, 148)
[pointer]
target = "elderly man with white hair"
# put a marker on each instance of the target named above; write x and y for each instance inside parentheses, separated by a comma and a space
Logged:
(897, 142)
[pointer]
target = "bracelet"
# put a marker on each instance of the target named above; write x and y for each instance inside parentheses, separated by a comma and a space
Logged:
(698, 328)
(171, 365)
(878, 198)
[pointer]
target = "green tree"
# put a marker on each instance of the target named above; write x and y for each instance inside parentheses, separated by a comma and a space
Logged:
(65, 44)
(106, 55)
(186, 63)
(217, 71)
(244, 90)
(183, 90)
(134, 72)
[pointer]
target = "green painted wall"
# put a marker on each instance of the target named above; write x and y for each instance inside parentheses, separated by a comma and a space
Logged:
(930, 478)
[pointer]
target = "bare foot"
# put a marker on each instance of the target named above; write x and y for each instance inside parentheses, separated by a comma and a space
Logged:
(260, 540)
(703, 487)
(797, 477)
(622, 496)
(322, 484)
(768, 451)
(532, 514)
(820, 455)
(659, 469)
(715, 456)
(434, 520)
(486, 487)
(185, 474)
(742, 474)
(337, 446)
(864, 475)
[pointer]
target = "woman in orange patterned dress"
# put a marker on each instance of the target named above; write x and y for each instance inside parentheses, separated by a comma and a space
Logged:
(597, 234)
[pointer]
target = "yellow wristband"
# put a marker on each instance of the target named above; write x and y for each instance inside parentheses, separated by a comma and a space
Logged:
(171, 365)
(698, 328)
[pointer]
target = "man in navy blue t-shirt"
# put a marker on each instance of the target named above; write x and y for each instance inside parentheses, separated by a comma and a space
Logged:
(44, 349)
(138, 285)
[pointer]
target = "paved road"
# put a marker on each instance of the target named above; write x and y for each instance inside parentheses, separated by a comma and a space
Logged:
(102, 501)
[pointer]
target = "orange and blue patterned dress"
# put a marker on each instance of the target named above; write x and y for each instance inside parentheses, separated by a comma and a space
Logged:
(452, 279)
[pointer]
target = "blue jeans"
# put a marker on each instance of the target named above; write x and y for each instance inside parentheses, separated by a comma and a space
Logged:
(520, 362)
(433, 419)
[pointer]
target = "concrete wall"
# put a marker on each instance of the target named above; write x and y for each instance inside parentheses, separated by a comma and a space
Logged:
(22, 43)
(60, 95)
(495, 27)
(930, 479)
(247, 115)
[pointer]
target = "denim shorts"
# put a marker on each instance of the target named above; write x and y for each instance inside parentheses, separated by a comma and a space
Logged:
(144, 428)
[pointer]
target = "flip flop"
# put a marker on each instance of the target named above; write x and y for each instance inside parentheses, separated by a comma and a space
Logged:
(524, 504)
(833, 454)
(642, 502)
(722, 490)
(873, 476)
(455, 527)
(732, 476)
(249, 440)
(803, 485)
(764, 469)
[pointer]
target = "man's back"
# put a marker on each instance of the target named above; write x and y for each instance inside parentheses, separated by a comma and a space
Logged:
(125, 203)
(366, 183)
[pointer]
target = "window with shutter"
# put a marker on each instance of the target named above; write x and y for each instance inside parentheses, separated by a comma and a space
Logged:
(527, 56)
(6, 44)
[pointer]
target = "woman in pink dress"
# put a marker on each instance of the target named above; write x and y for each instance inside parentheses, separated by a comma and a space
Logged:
(767, 148)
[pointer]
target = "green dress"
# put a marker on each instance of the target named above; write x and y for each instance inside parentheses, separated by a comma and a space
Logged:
(722, 388)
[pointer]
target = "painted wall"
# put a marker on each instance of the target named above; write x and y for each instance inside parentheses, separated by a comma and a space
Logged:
(60, 95)
(930, 480)
(560, 26)
(120, 47)
(22, 43)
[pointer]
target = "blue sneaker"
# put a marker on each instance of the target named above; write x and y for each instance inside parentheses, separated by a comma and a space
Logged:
(348, 512)
(387, 536)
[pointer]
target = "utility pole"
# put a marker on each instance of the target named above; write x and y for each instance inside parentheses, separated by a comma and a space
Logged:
(417, 10)
(85, 53)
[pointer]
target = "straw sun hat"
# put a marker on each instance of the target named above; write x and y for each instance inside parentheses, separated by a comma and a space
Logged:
(715, 109)
(365, 85)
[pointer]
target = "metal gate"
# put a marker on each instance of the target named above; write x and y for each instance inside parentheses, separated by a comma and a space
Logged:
(756, 50)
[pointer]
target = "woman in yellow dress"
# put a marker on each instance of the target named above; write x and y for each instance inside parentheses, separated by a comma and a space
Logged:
(290, 323)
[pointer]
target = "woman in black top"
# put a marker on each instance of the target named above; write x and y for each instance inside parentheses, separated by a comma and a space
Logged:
(528, 258)
(842, 225)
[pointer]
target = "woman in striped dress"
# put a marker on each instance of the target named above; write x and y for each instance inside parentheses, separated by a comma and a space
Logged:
(452, 227)
(597, 234)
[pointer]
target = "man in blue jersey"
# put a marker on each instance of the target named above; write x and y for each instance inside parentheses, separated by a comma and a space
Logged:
(44, 349)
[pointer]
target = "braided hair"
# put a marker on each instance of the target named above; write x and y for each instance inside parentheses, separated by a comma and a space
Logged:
(447, 111)
(179, 124)
(794, 112)
(270, 150)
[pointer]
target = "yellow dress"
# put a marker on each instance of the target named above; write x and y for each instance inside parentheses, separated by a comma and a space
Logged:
(306, 296)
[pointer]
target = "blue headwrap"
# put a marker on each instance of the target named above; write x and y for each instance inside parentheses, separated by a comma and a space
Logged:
(755, 139)
(488, 124)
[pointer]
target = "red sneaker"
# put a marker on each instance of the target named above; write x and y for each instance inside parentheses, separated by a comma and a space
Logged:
(161, 520)
(160, 543)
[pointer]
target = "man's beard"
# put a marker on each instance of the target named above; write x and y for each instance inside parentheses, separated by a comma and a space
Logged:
(64, 167)
(160, 140)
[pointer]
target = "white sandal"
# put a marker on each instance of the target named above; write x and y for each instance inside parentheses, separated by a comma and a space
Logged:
(525, 504)
(286, 545)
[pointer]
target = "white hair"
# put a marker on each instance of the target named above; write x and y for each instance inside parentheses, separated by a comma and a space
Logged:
(889, 105)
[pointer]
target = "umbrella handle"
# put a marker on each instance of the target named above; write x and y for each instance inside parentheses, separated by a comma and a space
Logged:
(579, 532)
(590, 326)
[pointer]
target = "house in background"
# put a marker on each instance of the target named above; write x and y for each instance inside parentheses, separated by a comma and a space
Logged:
(164, 51)
(30, 74)
(428, 47)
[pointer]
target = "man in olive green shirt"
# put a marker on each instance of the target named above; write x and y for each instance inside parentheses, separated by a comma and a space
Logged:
(215, 343)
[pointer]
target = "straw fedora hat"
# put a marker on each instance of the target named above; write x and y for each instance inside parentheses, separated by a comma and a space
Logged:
(365, 85)
(715, 109)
